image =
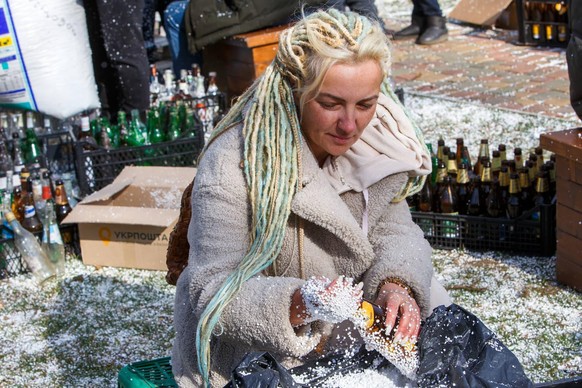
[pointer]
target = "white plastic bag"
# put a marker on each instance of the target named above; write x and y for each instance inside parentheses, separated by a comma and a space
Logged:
(45, 57)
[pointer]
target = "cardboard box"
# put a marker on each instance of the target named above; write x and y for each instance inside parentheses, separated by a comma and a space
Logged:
(479, 12)
(128, 223)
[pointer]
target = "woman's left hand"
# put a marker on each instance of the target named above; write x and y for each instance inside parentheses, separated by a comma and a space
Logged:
(399, 304)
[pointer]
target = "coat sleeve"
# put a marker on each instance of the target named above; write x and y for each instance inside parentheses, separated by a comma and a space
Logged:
(399, 244)
(258, 316)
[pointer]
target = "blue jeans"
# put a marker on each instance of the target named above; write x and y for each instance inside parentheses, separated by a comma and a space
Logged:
(426, 8)
(175, 27)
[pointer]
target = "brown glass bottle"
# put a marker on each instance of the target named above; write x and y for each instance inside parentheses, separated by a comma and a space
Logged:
(425, 197)
(536, 16)
(448, 197)
(30, 220)
(493, 202)
(483, 153)
(504, 186)
(542, 193)
(459, 150)
(525, 188)
(463, 189)
(531, 171)
(539, 152)
(486, 184)
(466, 158)
(62, 207)
(502, 152)
(441, 174)
(495, 163)
(440, 149)
(518, 158)
(550, 167)
(514, 208)
(549, 22)
(452, 167)
(474, 206)
(374, 317)
(17, 207)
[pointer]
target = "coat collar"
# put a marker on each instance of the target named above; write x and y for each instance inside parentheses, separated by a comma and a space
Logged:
(318, 202)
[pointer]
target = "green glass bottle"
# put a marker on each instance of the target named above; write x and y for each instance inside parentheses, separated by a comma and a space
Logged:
(435, 164)
(138, 134)
(110, 131)
(32, 150)
(174, 130)
(122, 128)
(156, 134)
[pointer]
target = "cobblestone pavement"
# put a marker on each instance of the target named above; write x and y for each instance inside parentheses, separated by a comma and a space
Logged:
(486, 66)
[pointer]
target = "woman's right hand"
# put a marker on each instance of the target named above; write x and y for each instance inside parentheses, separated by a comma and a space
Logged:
(322, 299)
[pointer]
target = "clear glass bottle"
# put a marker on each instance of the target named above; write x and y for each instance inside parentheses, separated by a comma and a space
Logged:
(32, 253)
(52, 241)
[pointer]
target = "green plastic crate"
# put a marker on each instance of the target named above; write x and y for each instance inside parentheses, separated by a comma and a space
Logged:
(152, 373)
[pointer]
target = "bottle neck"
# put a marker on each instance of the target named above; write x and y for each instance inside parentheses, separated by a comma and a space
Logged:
(61, 195)
(513, 186)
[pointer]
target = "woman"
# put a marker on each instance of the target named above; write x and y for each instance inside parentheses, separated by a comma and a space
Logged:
(303, 182)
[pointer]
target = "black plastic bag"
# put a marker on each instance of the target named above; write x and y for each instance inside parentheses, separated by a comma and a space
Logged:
(261, 370)
(457, 349)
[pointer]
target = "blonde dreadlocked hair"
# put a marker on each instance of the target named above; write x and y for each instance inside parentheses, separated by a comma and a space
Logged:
(272, 143)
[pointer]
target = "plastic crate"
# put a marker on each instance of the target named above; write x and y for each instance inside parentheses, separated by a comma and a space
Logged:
(525, 24)
(153, 373)
(98, 167)
(11, 263)
(521, 235)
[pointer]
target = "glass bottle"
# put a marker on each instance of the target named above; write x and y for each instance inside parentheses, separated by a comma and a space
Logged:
(434, 162)
(486, 184)
(32, 148)
(459, 150)
(542, 193)
(62, 206)
(448, 205)
(526, 193)
(452, 168)
(514, 208)
(440, 149)
(5, 159)
(463, 189)
(495, 163)
(17, 158)
(32, 253)
(549, 22)
(108, 137)
(483, 153)
(539, 152)
(440, 183)
(562, 19)
(536, 17)
(494, 205)
(174, 130)
(30, 220)
(17, 206)
(518, 158)
(52, 241)
(532, 171)
(156, 134)
(502, 152)
(122, 128)
(85, 135)
(466, 158)
(425, 197)
(504, 182)
(138, 135)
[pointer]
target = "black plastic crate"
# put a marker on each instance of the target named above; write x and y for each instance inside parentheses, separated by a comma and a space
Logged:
(525, 23)
(521, 235)
(98, 167)
(11, 263)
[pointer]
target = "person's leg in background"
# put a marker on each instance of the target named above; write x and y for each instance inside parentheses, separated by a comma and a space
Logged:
(149, 20)
(574, 55)
(428, 25)
(175, 27)
(363, 7)
(126, 59)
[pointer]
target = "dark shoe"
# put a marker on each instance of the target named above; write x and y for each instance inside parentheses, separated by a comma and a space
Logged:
(435, 31)
(412, 31)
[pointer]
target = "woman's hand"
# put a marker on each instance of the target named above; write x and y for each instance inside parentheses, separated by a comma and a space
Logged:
(399, 304)
(322, 299)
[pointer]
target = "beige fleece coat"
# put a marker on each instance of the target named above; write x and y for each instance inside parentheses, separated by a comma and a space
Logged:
(334, 244)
